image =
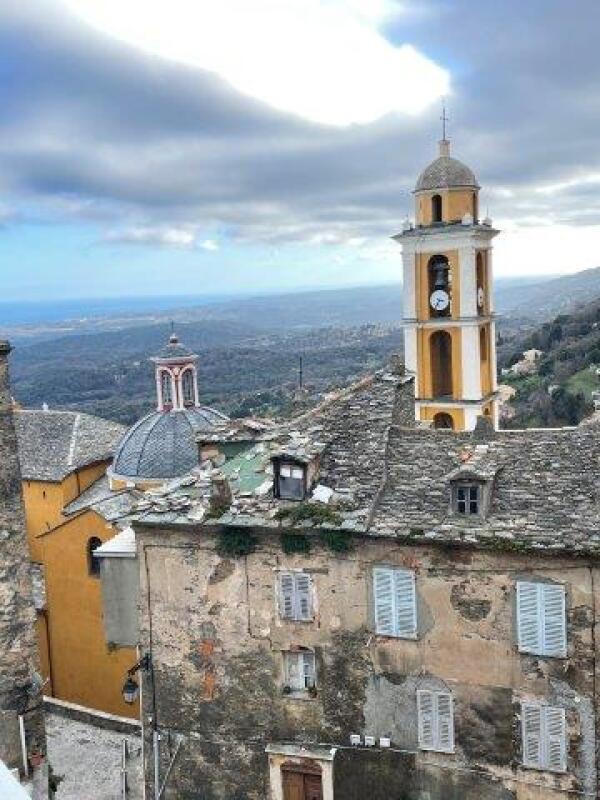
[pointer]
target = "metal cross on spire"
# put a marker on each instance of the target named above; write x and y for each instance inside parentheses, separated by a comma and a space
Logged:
(444, 119)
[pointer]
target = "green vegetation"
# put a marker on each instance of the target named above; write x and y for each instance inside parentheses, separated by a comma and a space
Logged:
(236, 542)
(295, 543)
(559, 392)
(337, 541)
(315, 513)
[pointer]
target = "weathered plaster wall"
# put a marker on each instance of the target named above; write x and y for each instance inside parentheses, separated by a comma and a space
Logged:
(217, 640)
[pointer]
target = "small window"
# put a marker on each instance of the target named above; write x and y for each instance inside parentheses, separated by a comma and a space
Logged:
(541, 619)
(93, 563)
(295, 601)
(467, 498)
(292, 484)
(395, 602)
(436, 720)
(544, 737)
(436, 208)
(300, 670)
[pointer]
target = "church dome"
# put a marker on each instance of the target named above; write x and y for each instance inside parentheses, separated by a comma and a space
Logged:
(162, 445)
(446, 172)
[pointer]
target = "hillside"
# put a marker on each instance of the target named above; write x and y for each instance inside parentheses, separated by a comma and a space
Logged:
(559, 390)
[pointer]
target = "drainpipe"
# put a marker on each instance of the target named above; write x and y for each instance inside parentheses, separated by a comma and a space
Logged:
(23, 745)
(156, 746)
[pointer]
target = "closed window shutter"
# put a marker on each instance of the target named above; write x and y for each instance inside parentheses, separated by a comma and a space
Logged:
(555, 739)
(406, 610)
(529, 616)
(531, 725)
(445, 722)
(383, 583)
(426, 719)
(286, 594)
(303, 609)
(554, 638)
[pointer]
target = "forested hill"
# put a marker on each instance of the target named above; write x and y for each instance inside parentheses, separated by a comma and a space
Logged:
(559, 391)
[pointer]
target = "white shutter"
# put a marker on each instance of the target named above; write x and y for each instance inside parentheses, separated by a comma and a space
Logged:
(303, 605)
(426, 719)
(555, 734)
(286, 595)
(406, 607)
(308, 664)
(445, 722)
(554, 637)
(531, 727)
(383, 589)
(529, 617)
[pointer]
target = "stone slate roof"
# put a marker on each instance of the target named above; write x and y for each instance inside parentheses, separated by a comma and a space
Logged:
(53, 444)
(545, 492)
(444, 173)
(162, 444)
(347, 433)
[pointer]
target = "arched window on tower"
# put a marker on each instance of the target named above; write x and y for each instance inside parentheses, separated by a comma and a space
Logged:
(93, 563)
(483, 345)
(187, 387)
(443, 421)
(436, 208)
(166, 391)
(481, 284)
(440, 346)
(440, 286)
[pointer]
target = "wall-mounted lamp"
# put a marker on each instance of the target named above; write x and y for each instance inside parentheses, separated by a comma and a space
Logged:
(131, 689)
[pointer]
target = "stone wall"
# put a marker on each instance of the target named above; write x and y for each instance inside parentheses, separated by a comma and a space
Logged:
(216, 639)
(19, 691)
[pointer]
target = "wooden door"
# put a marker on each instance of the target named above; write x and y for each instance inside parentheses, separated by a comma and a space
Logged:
(301, 786)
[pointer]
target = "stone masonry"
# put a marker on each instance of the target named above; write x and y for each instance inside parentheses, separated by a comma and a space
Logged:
(20, 689)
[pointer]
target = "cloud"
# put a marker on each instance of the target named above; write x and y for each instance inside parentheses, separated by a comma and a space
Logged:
(97, 131)
(210, 245)
(167, 237)
(325, 61)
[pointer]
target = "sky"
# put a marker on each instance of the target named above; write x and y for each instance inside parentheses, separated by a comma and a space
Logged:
(226, 146)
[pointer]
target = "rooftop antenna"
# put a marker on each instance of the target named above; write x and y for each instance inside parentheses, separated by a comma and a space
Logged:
(444, 119)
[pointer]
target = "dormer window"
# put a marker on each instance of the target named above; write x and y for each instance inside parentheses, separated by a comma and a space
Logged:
(291, 481)
(467, 499)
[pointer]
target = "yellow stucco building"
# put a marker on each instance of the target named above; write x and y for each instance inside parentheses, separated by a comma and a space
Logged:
(62, 455)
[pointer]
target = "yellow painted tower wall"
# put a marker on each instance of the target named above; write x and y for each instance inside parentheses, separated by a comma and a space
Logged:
(84, 669)
(73, 652)
(455, 204)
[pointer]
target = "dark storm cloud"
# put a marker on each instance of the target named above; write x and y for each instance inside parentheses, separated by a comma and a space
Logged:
(101, 130)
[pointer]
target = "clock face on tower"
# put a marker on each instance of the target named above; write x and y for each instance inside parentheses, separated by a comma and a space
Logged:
(439, 300)
(480, 297)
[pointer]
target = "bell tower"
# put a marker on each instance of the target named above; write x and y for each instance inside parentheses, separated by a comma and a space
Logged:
(449, 328)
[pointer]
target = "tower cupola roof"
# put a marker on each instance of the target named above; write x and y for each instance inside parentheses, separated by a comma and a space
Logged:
(446, 172)
(174, 350)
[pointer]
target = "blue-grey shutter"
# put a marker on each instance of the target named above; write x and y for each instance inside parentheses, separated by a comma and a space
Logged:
(529, 617)
(444, 717)
(426, 719)
(383, 590)
(405, 603)
(286, 595)
(303, 605)
(555, 735)
(554, 636)
(531, 728)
